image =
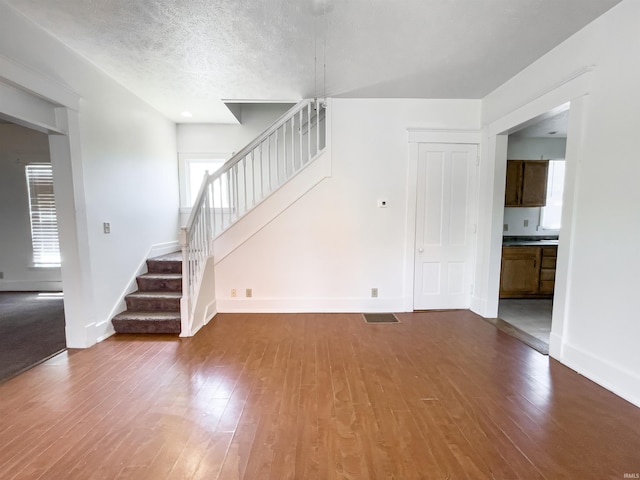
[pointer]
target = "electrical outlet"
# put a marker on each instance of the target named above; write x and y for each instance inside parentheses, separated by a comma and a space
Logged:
(1, 274)
(505, 227)
(106, 227)
(234, 292)
(248, 293)
(526, 223)
(374, 292)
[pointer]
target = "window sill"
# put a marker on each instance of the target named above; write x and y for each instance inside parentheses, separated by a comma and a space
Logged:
(41, 268)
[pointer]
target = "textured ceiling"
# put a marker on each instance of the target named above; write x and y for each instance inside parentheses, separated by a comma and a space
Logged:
(553, 126)
(193, 54)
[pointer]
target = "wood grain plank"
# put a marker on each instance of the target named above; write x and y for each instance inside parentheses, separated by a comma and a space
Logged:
(315, 396)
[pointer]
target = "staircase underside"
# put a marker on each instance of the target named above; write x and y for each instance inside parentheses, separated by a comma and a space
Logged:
(155, 307)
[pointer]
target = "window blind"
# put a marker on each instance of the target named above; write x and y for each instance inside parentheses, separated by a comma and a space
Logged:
(42, 210)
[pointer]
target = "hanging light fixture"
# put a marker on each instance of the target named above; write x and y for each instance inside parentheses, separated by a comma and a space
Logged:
(319, 9)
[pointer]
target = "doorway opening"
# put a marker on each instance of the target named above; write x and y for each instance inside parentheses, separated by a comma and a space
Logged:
(531, 227)
(32, 322)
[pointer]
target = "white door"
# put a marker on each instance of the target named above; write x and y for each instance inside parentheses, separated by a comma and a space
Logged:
(445, 213)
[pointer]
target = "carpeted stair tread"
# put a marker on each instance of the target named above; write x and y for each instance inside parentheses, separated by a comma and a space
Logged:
(155, 306)
(139, 294)
(165, 282)
(147, 322)
(153, 301)
(169, 263)
(153, 316)
(177, 276)
(169, 257)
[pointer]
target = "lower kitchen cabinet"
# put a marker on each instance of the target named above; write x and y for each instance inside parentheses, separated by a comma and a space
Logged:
(520, 271)
(548, 270)
(527, 271)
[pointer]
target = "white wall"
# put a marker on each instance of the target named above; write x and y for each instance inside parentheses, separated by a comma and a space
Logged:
(329, 249)
(127, 158)
(20, 146)
(227, 139)
(595, 327)
(530, 148)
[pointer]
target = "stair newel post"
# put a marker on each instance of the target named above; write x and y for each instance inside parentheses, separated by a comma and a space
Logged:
(184, 301)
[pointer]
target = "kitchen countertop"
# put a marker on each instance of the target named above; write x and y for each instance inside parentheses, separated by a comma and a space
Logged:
(529, 241)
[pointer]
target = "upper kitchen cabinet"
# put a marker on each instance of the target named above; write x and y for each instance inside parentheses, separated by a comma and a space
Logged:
(526, 183)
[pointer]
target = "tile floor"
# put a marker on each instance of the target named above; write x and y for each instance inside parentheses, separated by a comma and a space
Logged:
(532, 316)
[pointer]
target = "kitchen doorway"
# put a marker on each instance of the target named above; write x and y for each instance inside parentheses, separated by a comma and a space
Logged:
(531, 227)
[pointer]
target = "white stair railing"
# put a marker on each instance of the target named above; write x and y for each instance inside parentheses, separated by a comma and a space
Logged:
(249, 177)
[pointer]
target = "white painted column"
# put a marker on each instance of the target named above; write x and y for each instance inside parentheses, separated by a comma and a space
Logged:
(77, 279)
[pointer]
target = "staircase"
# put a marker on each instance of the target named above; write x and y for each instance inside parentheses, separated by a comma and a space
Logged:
(155, 306)
(162, 303)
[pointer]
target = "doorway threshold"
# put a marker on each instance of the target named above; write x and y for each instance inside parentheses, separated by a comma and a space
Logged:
(524, 337)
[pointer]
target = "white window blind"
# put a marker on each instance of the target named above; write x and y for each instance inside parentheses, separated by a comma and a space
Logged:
(42, 210)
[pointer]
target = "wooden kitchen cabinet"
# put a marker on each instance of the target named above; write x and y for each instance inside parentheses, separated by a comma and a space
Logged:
(548, 270)
(526, 184)
(520, 271)
(528, 272)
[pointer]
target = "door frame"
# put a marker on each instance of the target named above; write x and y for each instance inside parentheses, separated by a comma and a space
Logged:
(574, 91)
(35, 101)
(416, 137)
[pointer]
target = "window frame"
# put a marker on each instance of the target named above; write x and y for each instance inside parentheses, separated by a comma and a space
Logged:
(38, 208)
(185, 160)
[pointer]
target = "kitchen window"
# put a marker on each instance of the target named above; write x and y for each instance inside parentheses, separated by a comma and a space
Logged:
(552, 213)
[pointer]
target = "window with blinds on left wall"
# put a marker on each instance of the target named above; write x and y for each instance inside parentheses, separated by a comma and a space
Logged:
(42, 213)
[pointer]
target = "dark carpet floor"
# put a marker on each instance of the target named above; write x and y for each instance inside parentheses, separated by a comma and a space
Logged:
(31, 330)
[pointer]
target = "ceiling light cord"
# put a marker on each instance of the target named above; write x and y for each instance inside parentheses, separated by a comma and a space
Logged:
(315, 60)
(324, 52)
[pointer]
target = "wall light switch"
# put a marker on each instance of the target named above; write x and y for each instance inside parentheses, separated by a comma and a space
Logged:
(383, 203)
(106, 227)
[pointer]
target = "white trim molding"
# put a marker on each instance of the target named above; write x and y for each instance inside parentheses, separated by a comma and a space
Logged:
(417, 136)
(421, 135)
(33, 82)
(622, 382)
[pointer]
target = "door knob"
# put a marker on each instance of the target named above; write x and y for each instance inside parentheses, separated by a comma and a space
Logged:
(420, 250)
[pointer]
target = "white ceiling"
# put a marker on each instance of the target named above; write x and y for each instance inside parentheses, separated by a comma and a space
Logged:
(553, 126)
(194, 54)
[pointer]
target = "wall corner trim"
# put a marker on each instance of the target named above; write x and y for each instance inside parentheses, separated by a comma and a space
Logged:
(421, 135)
(31, 81)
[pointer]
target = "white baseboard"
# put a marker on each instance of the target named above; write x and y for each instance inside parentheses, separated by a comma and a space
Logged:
(30, 286)
(479, 306)
(163, 249)
(555, 346)
(622, 382)
(209, 311)
(107, 330)
(212, 311)
(309, 305)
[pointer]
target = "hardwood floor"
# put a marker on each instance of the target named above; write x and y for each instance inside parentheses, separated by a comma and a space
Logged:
(441, 395)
